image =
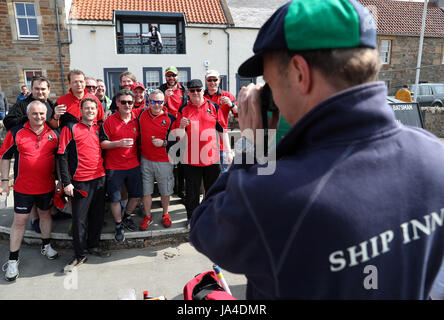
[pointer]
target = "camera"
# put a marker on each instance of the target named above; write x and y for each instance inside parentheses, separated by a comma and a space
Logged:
(267, 103)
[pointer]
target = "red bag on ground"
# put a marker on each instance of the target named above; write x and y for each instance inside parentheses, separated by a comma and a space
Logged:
(205, 286)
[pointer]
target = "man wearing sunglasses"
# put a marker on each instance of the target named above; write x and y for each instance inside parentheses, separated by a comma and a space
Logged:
(91, 85)
(119, 136)
(227, 103)
(199, 125)
(175, 96)
(155, 125)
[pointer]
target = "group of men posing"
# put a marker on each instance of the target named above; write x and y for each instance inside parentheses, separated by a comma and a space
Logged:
(86, 145)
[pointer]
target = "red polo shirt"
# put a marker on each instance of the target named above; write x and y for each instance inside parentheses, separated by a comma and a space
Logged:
(73, 104)
(154, 126)
(34, 158)
(174, 102)
(202, 147)
(81, 144)
(115, 129)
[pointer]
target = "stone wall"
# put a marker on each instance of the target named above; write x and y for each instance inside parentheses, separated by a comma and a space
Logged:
(402, 67)
(43, 54)
(434, 120)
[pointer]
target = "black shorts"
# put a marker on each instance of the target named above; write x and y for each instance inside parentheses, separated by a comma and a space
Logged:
(23, 203)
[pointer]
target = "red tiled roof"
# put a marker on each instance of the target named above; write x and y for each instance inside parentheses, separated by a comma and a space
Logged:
(405, 18)
(196, 11)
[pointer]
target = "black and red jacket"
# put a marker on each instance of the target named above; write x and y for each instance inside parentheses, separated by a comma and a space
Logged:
(202, 141)
(80, 155)
(177, 100)
(34, 158)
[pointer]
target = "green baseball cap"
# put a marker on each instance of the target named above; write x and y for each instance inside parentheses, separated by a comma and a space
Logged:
(312, 25)
(172, 69)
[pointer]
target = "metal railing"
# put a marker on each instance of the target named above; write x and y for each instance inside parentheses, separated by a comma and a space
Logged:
(143, 45)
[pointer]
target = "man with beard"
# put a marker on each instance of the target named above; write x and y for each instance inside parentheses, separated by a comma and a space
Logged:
(175, 99)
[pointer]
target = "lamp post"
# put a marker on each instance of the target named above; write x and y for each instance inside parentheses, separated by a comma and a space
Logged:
(421, 42)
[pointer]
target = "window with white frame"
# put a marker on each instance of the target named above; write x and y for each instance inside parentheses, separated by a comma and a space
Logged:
(152, 78)
(385, 50)
(26, 20)
(29, 74)
(184, 76)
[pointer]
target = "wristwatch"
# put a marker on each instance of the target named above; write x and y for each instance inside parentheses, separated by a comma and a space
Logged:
(165, 142)
(243, 145)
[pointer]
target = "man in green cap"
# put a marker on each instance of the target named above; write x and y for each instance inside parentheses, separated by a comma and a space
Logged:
(341, 215)
(175, 99)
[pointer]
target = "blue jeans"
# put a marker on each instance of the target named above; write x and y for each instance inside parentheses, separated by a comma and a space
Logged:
(2, 115)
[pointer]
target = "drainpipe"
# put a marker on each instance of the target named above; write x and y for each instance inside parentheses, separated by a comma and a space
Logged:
(228, 57)
(60, 43)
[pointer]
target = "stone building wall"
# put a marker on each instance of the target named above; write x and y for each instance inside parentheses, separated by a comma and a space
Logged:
(433, 118)
(43, 54)
(404, 55)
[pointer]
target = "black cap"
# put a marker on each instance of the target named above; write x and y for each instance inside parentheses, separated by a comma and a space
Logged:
(194, 83)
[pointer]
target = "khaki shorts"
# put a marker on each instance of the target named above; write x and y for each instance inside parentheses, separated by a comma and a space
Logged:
(162, 172)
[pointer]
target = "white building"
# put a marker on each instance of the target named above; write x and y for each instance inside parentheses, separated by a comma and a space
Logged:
(109, 37)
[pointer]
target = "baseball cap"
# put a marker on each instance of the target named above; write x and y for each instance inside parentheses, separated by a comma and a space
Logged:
(137, 84)
(212, 73)
(194, 83)
(171, 69)
(312, 25)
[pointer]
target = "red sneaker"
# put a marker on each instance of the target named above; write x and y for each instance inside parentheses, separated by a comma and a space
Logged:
(145, 223)
(166, 220)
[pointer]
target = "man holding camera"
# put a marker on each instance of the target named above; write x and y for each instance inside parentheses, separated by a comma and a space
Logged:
(343, 198)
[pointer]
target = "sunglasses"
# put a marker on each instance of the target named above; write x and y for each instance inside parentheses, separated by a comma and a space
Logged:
(195, 90)
(126, 102)
(170, 75)
(212, 80)
(91, 87)
(159, 102)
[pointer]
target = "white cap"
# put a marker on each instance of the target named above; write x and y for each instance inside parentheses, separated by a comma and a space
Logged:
(212, 73)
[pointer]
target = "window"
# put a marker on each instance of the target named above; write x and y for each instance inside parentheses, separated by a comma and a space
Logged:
(29, 74)
(112, 80)
(26, 21)
(152, 78)
(243, 81)
(133, 34)
(425, 90)
(385, 50)
(184, 76)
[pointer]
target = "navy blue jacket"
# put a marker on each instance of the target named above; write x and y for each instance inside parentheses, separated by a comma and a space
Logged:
(354, 209)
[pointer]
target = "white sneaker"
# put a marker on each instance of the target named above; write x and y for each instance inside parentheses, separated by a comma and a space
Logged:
(49, 252)
(11, 268)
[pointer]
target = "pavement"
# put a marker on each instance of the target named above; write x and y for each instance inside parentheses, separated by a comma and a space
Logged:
(161, 270)
(160, 260)
(152, 236)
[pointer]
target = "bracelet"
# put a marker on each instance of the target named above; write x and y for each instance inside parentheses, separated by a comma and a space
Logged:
(165, 142)
(5, 180)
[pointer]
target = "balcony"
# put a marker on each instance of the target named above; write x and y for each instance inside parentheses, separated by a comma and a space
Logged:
(142, 45)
